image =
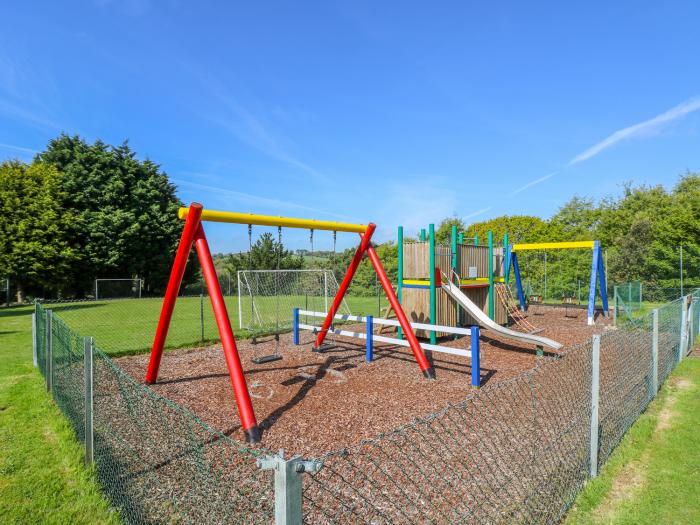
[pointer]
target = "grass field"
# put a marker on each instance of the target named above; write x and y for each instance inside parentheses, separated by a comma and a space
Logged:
(127, 326)
(42, 477)
(654, 475)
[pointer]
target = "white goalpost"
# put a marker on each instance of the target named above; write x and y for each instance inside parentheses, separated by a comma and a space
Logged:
(267, 298)
(118, 288)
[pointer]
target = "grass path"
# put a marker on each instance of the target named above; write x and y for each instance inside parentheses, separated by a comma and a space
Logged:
(654, 475)
(42, 477)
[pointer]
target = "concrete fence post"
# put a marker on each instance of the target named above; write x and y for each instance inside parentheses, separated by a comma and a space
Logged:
(288, 485)
(89, 401)
(35, 342)
(595, 400)
(654, 352)
(49, 351)
(683, 341)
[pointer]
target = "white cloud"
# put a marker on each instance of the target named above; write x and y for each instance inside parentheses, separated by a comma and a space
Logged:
(18, 148)
(248, 199)
(641, 129)
(533, 183)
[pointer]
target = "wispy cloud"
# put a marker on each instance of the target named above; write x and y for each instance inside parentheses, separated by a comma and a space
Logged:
(641, 129)
(248, 198)
(18, 148)
(477, 212)
(533, 183)
(249, 128)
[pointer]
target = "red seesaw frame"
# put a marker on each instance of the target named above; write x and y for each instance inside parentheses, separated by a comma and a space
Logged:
(193, 233)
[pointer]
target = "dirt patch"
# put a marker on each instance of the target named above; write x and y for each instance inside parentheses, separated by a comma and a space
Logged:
(311, 403)
(667, 414)
(625, 485)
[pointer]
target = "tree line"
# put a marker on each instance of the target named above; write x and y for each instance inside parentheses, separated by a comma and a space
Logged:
(80, 211)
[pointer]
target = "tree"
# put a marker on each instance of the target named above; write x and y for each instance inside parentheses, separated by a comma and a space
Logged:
(265, 254)
(35, 228)
(443, 234)
(127, 211)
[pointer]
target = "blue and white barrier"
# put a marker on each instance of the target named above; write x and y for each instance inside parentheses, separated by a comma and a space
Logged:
(369, 336)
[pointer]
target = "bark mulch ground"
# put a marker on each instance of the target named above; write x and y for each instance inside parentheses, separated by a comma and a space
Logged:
(310, 403)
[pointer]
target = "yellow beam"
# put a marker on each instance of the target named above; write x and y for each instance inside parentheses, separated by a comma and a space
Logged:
(271, 220)
(553, 245)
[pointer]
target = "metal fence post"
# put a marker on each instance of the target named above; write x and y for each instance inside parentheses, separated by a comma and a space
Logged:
(89, 401)
(654, 352)
(35, 342)
(682, 343)
(49, 350)
(615, 308)
(288, 485)
(595, 393)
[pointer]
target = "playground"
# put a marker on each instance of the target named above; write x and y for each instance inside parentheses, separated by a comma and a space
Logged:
(458, 400)
(313, 403)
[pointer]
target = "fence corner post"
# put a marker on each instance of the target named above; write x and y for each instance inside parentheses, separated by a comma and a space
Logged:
(476, 356)
(89, 401)
(288, 485)
(369, 354)
(49, 351)
(683, 340)
(654, 352)
(595, 399)
(35, 341)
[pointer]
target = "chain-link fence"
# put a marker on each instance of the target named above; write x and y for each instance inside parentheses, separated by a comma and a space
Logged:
(513, 452)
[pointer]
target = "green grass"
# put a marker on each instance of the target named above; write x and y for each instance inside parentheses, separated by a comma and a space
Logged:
(42, 477)
(654, 475)
(127, 326)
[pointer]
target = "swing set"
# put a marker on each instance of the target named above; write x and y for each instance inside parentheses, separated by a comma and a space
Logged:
(193, 233)
(597, 279)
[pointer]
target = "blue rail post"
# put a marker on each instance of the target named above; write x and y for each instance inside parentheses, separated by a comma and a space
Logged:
(476, 356)
(518, 281)
(296, 326)
(369, 354)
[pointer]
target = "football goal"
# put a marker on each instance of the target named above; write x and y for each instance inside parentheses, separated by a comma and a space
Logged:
(118, 288)
(267, 298)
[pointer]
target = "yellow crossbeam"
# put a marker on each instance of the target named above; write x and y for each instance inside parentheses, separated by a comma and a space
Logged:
(553, 245)
(271, 220)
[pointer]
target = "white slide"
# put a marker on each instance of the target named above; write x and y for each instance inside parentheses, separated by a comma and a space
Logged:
(484, 320)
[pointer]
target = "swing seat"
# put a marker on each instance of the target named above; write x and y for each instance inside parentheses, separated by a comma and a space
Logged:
(266, 359)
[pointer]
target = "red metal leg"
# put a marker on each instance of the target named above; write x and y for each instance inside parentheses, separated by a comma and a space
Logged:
(428, 370)
(343, 288)
(183, 251)
(235, 370)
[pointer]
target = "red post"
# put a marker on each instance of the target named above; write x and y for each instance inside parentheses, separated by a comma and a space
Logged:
(166, 313)
(428, 370)
(356, 260)
(235, 369)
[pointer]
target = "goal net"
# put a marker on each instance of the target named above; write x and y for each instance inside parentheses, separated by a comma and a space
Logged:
(267, 298)
(118, 288)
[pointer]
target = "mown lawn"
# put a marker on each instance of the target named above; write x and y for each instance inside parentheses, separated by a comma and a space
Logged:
(654, 475)
(42, 477)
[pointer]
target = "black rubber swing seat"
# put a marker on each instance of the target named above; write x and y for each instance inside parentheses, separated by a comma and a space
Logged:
(266, 359)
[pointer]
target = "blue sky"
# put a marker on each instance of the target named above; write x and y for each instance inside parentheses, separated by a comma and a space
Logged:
(392, 112)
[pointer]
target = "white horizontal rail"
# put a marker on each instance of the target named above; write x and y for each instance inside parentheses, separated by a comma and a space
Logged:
(383, 339)
(392, 322)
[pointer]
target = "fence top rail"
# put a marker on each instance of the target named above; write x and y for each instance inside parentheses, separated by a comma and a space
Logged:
(392, 322)
(271, 220)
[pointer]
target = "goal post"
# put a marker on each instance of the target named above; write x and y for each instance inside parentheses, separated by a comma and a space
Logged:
(118, 288)
(267, 298)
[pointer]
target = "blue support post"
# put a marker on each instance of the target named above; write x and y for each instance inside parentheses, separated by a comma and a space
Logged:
(518, 281)
(369, 353)
(506, 259)
(476, 357)
(296, 326)
(603, 283)
(594, 281)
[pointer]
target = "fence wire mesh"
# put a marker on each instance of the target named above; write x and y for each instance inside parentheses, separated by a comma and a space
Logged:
(513, 452)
